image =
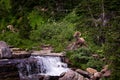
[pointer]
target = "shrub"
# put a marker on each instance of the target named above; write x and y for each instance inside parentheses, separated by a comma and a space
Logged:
(11, 38)
(96, 64)
(82, 58)
(55, 34)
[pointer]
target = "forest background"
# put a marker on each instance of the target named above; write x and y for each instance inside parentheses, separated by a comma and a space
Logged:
(39, 22)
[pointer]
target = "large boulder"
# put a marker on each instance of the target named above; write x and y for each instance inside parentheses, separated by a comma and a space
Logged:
(71, 75)
(5, 51)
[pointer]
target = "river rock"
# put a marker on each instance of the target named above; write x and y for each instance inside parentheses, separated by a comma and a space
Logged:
(105, 68)
(97, 75)
(91, 70)
(68, 75)
(87, 79)
(72, 75)
(78, 77)
(83, 73)
(28, 67)
(107, 74)
(5, 51)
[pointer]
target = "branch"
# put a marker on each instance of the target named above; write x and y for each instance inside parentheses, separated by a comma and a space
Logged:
(94, 20)
(103, 14)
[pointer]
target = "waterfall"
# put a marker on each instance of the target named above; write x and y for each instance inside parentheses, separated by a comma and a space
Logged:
(51, 65)
(41, 65)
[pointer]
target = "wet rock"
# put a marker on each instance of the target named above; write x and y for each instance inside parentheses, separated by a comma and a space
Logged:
(87, 79)
(5, 51)
(31, 77)
(72, 75)
(20, 56)
(41, 77)
(8, 70)
(9, 76)
(78, 77)
(28, 67)
(97, 75)
(47, 77)
(62, 74)
(68, 75)
(66, 60)
(83, 73)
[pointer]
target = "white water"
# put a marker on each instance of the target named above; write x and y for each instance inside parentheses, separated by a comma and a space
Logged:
(38, 65)
(51, 65)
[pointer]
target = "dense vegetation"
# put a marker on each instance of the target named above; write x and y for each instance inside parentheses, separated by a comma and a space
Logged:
(39, 22)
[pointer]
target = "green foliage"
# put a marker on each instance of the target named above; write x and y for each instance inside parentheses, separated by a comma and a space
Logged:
(29, 45)
(2, 24)
(54, 22)
(5, 4)
(35, 19)
(79, 57)
(96, 64)
(11, 38)
(82, 58)
(72, 17)
(56, 34)
(21, 24)
(112, 50)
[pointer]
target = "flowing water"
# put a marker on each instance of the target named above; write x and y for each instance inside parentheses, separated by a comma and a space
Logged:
(41, 65)
(51, 65)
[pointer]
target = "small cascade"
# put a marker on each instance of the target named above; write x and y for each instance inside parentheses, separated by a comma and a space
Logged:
(41, 65)
(51, 65)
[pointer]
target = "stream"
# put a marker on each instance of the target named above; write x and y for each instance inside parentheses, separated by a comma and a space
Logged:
(41, 65)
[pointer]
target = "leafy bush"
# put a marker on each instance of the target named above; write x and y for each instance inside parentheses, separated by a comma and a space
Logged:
(15, 40)
(35, 19)
(55, 34)
(96, 64)
(11, 38)
(82, 58)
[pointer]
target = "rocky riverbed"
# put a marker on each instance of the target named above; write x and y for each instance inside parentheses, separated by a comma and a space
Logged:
(9, 66)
